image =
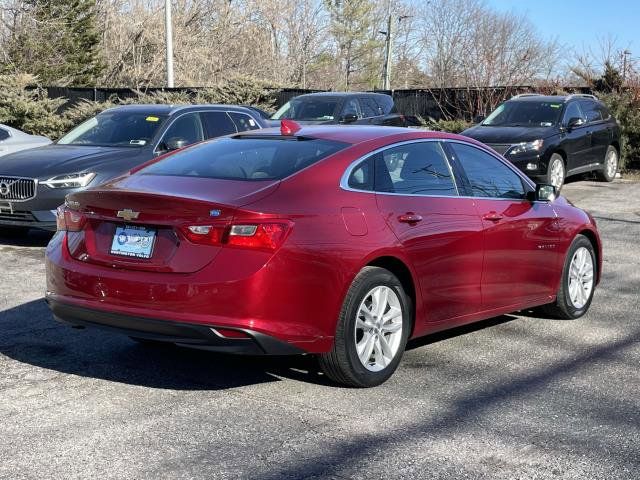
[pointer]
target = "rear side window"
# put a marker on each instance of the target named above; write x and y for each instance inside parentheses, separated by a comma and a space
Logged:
(245, 158)
(243, 122)
(488, 176)
(4, 134)
(218, 124)
(414, 169)
(591, 110)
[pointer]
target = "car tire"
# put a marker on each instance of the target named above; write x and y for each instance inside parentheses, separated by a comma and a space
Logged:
(369, 340)
(610, 165)
(574, 298)
(556, 171)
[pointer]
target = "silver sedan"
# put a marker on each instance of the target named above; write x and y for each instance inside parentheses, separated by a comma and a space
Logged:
(13, 140)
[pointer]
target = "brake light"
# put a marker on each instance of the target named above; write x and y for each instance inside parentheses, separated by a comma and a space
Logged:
(263, 236)
(267, 236)
(289, 127)
(68, 220)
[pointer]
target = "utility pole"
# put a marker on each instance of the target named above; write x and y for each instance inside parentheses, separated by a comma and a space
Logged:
(168, 28)
(624, 65)
(386, 69)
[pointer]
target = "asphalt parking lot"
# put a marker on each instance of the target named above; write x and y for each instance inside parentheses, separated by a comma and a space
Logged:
(515, 397)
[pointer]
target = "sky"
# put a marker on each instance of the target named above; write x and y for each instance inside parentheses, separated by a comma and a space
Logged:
(581, 25)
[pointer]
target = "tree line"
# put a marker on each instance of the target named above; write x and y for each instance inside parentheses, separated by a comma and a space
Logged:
(320, 44)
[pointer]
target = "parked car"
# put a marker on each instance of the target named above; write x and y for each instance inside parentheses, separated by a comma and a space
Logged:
(14, 140)
(34, 183)
(340, 242)
(553, 137)
(362, 108)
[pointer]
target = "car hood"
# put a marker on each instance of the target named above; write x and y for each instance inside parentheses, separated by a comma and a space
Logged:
(506, 135)
(51, 160)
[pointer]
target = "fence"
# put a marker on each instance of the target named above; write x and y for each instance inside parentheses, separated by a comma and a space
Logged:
(435, 103)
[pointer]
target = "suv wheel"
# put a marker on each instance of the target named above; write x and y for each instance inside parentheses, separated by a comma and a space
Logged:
(372, 331)
(556, 171)
(610, 166)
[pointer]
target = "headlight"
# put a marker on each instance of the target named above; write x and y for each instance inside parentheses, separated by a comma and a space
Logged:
(523, 147)
(71, 180)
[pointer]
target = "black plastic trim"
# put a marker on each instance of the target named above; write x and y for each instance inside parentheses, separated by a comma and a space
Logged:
(184, 334)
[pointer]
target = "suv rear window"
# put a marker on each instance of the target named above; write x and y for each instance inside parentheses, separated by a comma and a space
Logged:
(246, 158)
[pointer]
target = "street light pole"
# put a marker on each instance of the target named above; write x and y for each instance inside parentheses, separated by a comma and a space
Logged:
(386, 72)
(168, 28)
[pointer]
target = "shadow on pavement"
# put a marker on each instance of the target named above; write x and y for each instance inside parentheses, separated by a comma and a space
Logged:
(29, 334)
(24, 238)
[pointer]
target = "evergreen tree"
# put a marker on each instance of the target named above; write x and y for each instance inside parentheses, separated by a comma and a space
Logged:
(611, 80)
(57, 41)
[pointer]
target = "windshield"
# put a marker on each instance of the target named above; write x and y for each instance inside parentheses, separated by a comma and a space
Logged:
(245, 158)
(115, 129)
(307, 109)
(525, 114)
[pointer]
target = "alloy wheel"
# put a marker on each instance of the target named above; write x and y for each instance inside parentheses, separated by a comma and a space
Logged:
(580, 277)
(378, 329)
(611, 163)
(556, 176)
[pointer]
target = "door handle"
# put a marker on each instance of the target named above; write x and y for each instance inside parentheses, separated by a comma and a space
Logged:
(409, 218)
(492, 217)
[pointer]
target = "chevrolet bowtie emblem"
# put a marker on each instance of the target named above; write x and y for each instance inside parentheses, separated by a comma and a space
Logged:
(127, 214)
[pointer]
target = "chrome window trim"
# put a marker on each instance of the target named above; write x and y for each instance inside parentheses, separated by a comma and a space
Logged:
(344, 180)
(173, 120)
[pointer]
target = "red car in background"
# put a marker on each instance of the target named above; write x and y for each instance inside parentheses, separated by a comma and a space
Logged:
(343, 242)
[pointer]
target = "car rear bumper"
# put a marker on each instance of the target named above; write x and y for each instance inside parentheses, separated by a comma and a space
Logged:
(184, 334)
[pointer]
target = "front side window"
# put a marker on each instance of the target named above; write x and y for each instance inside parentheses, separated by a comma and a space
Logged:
(591, 110)
(487, 175)
(525, 114)
(572, 111)
(115, 129)
(369, 107)
(4, 134)
(351, 107)
(245, 158)
(185, 130)
(414, 169)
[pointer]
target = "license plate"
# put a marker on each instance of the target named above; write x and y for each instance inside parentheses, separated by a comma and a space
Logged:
(133, 241)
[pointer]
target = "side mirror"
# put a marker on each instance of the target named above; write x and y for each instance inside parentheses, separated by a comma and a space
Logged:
(478, 118)
(175, 143)
(574, 122)
(543, 193)
(348, 118)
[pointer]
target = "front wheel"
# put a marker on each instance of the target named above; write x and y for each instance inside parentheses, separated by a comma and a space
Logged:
(578, 281)
(372, 330)
(556, 171)
(610, 167)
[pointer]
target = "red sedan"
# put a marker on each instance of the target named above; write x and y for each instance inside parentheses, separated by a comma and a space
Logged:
(343, 242)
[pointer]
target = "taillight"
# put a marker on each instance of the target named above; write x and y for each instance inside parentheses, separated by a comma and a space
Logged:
(69, 220)
(263, 236)
(204, 234)
(267, 236)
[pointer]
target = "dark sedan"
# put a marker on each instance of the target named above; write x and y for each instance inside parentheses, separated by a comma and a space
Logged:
(552, 137)
(34, 183)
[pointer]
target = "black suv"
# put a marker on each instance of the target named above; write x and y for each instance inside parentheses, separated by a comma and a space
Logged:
(363, 108)
(552, 137)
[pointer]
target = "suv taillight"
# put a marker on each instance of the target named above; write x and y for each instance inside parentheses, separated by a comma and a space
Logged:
(263, 236)
(68, 220)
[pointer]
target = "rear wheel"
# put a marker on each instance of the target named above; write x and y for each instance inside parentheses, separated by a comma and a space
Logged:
(556, 171)
(610, 167)
(578, 281)
(372, 330)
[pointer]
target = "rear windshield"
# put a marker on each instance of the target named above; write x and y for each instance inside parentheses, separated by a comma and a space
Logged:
(245, 158)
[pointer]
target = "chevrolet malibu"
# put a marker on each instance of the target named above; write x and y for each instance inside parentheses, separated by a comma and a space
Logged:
(342, 242)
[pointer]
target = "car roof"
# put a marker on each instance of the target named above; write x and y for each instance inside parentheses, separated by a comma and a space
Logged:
(162, 109)
(354, 134)
(342, 94)
(551, 98)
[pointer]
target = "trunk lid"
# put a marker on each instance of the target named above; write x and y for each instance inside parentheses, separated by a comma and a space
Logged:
(136, 201)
